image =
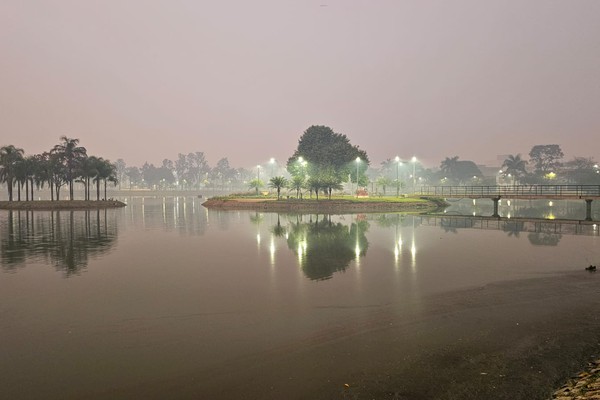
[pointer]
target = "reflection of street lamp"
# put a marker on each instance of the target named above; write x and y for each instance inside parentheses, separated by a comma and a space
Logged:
(357, 163)
(414, 161)
(398, 176)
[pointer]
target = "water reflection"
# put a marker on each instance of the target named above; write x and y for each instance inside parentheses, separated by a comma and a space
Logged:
(511, 208)
(178, 213)
(67, 240)
(323, 246)
(540, 231)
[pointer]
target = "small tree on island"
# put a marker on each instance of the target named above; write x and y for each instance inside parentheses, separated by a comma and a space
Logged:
(256, 184)
(278, 182)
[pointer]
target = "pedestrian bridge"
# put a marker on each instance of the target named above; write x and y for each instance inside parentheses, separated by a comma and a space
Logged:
(527, 192)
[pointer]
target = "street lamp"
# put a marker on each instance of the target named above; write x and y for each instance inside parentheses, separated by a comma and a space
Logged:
(258, 173)
(414, 161)
(398, 176)
(357, 164)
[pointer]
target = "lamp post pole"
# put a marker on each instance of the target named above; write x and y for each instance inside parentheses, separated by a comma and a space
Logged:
(414, 161)
(397, 176)
(357, 162)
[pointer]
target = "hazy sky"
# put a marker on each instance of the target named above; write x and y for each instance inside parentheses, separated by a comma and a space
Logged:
(145, 80)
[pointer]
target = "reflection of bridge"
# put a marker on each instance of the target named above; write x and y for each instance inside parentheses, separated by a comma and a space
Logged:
(529, 225)
(528, 192)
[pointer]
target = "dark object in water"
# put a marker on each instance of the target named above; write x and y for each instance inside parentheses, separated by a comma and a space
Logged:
(591, 268)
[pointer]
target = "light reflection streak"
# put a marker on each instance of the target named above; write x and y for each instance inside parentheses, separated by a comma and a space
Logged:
(272, 251)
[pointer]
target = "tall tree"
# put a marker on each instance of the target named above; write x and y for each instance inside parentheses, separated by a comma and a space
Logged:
(323, 149)
(546, 158)
(121, 170)
(71, 155)
(9, 159)
(581, 171)
(107, 171)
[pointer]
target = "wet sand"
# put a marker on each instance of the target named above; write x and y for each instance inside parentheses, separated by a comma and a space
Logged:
(508, 340)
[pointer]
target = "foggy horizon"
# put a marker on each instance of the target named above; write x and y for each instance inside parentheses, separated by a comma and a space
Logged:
(144, 81)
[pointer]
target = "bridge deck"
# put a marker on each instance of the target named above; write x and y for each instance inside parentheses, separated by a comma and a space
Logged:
(530, 192)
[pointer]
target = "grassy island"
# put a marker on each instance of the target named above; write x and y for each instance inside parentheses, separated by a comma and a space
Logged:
(47, 205)
(339, 204)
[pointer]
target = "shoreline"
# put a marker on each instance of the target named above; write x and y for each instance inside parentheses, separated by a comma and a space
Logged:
(419, 205)
(57, 205)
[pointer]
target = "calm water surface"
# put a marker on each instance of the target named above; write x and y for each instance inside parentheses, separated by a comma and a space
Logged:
(165, 288)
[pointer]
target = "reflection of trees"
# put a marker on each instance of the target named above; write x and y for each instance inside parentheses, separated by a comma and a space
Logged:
(513, 228)
(278, 230)
(325, 247)
(67, 240)
(544, 239)
(390, 220)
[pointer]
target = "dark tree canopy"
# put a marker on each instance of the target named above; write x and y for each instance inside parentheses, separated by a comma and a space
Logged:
(546, 158)
(459, 170)
(329, 156)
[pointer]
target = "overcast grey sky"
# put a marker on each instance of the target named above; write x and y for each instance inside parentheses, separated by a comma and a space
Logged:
(144, 80)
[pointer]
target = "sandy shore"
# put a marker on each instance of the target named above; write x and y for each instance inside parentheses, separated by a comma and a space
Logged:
(46, 205)
(509, 340)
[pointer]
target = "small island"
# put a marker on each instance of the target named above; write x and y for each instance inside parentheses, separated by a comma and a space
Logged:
(57, 205)
(342, 204)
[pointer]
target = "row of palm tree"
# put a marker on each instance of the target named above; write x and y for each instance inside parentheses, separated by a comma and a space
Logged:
(298, 183)
(66, 163)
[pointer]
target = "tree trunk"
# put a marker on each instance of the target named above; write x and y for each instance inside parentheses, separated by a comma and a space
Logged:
(9, 186)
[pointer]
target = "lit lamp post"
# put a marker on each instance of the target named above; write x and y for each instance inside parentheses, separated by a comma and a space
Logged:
(397, 176)
(414, 161)
(357, 164)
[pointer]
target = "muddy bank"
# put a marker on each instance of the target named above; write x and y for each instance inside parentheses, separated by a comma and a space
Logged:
(331, 206)
(509, 340)
(47, 205)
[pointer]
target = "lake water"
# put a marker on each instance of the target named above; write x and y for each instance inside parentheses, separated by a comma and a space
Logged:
(166, 299)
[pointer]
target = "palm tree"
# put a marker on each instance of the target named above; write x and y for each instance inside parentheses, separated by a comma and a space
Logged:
(515, 166)
(277, 182)
(42, 170)
(71, 155)
(297, 183)
(9, 159)
(107, 171)
(449, 166)
(89, 169)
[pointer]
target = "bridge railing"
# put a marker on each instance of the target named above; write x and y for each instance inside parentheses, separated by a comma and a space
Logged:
(514, 191)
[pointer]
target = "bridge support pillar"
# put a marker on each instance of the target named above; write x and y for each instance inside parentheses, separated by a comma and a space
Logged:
(588, 209)
(495, 200)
